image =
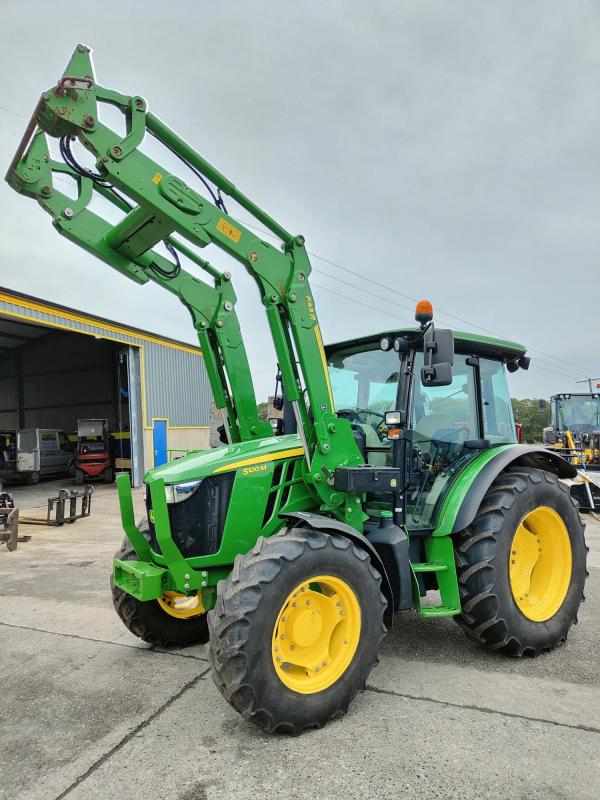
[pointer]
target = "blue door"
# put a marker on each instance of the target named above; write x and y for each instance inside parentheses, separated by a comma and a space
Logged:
(159, 442)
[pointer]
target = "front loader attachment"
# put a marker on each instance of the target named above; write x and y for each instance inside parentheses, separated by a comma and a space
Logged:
(158, 209)
(69, 112)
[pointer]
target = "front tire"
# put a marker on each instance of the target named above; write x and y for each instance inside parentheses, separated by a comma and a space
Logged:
(522, 564)
(296, 628)
(156, 621)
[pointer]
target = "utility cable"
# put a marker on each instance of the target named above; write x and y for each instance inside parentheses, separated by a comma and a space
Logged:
(218, 201)
(408, 297)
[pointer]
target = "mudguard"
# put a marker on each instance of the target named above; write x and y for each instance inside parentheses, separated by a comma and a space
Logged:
(463, 501)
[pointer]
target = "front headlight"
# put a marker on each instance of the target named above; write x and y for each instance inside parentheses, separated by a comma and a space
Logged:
(178, 492)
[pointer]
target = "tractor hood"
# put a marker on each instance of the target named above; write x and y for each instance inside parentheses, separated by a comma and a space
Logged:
(226, 459)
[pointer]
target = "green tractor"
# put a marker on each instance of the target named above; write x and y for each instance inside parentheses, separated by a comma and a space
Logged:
(397, 485)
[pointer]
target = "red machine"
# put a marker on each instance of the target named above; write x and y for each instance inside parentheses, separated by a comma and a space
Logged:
(519, 432)
(93, 459)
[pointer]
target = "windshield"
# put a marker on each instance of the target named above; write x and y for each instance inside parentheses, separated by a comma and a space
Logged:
(364, 387)
(580, 414)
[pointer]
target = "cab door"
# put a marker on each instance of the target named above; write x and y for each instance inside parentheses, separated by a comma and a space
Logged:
(443, 418)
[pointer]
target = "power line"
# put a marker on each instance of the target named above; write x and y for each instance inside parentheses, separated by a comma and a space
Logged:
(414, 299)
(371, 280)
(359, 302)
(13, 113)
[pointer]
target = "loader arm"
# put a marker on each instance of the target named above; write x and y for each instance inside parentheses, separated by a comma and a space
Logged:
(212, 307)
(163, 205)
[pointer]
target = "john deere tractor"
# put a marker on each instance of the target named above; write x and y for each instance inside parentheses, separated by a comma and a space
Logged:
(397, 484)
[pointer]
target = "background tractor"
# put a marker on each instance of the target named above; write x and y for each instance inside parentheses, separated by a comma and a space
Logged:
(398, 484)
(575, 427)
(575, 433)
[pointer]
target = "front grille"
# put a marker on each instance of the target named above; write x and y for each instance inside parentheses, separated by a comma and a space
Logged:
(197, 523)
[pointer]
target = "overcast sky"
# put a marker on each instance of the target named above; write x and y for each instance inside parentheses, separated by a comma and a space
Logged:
(448, 150)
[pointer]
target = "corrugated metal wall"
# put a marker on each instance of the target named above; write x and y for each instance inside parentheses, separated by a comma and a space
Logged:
(64, 378)
(176, 387)
(176, 383)
(8, 394)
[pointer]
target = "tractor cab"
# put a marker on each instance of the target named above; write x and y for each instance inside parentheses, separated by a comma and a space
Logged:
(378, 385)
(574, 412)
(574, 428)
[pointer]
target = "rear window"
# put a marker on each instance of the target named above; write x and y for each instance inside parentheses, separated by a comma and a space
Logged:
(27, 440)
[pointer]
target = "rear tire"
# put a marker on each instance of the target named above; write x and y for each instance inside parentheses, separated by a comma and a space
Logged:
(147, 620)
(33, 478)
(245, 632)
(491, 608)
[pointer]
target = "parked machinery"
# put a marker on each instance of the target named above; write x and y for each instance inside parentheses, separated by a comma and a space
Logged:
(31, 453)
(575, 427)
(293, 552)
(93, 460)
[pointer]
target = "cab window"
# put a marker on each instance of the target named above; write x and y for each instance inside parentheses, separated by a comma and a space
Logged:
(498, 421)
(364, 386)
(443, 418)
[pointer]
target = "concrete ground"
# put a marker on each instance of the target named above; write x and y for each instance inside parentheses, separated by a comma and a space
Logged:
(89, 712)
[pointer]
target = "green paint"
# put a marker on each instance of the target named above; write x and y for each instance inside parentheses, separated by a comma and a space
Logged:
(460, 488)
(162, 207)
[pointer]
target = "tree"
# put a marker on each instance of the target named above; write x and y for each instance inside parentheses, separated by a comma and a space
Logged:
(263, 410)
(533, 420)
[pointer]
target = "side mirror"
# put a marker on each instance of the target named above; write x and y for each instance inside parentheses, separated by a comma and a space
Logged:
(541, 406)
(276, 424)
(438, 351)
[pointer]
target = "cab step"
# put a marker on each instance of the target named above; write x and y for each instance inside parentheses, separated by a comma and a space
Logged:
(429, 566)
(438, 611)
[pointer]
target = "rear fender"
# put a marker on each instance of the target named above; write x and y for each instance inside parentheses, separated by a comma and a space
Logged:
(463, 500)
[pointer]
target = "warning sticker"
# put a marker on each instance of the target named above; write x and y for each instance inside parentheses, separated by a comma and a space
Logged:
(228, 230)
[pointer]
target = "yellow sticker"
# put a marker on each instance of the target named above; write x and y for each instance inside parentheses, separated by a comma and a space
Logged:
(157, 178)
(228, 230)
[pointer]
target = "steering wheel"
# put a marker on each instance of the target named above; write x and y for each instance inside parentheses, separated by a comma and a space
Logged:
(353, 415)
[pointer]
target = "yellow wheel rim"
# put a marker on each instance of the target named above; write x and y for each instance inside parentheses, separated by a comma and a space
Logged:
(316, 634)
(541, 561)
(180, 605)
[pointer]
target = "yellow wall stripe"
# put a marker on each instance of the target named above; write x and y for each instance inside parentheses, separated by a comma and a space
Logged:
(297, 451)
(96, 323)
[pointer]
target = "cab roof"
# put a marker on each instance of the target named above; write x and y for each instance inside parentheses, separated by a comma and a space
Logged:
(464, 342)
